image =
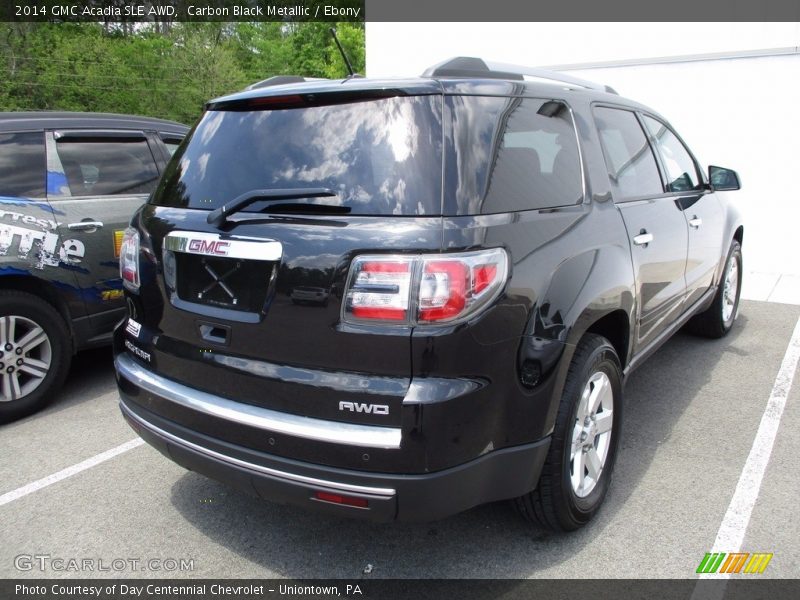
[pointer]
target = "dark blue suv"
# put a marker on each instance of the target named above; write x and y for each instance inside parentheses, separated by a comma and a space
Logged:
(69, 183)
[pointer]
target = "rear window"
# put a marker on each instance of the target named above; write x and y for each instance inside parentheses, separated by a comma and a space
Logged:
(171, 142)
(510, 154)
(381, 157)
(22, 165)
(107, 166)
(632, 167)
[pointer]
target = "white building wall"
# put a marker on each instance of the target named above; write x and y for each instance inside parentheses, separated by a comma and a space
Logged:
(732, 90)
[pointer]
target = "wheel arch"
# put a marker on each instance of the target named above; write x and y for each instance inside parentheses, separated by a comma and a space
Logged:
(606, 305)
(44, 290)
(738, 235)
(615, 326)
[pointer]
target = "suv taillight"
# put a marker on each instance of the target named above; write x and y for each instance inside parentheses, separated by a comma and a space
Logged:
(129, 259)
(423, 289)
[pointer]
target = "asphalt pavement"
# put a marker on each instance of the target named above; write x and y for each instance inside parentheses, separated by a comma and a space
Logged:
(691, 414)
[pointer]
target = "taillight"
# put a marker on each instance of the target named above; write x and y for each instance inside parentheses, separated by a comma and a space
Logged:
(129, 259)
(423, 289)
(379, 288)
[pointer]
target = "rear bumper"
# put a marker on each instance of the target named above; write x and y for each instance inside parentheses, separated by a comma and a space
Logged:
(497, 475)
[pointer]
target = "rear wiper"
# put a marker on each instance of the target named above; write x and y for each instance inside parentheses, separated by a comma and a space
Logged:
(306, 208)
(218, 216)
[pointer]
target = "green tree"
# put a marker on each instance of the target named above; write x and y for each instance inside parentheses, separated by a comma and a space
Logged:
(164, 70)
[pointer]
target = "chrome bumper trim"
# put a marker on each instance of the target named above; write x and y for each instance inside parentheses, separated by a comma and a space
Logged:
(320, 430)
(294, 478)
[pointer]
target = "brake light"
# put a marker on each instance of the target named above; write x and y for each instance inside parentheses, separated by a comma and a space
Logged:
(443, 289)
(423, 289)
(129, 259)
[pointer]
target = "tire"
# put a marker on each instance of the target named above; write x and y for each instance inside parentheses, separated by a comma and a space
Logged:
(38, 372)
(718, 319)
(560, 501)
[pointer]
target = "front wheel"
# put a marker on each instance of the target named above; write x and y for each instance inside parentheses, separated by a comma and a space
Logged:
(34, 354)
(717, 320)
(583, 447)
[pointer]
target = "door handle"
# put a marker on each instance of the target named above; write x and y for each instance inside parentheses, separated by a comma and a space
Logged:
(643, 238)
(85, 226)
(695, 222)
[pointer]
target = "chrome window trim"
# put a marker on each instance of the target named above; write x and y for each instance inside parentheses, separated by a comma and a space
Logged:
(345, 487)
(584, 185)
(334, 432)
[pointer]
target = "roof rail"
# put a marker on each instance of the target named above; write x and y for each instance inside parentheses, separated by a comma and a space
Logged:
(280, 80)
(465, 66)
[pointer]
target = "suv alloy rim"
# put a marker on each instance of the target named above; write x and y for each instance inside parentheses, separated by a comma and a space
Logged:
(25, 356)
(591, 434)
(730, 290)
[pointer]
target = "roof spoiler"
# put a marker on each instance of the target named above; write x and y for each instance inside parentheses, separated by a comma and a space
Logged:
(280, 80)
(465, 66)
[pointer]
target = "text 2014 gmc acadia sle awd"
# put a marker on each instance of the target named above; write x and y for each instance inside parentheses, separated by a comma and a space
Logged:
(398, 299)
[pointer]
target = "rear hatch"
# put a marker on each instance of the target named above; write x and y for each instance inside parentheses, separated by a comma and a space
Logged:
(246, 301)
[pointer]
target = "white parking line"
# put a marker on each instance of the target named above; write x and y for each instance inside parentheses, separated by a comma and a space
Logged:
(734, 525)
(69, 471)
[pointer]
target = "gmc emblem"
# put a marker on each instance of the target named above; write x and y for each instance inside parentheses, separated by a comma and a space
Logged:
(360, 407)
(217, 247)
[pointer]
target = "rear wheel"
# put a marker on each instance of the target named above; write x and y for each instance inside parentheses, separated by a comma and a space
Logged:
(718, 319)
(583, 447)
(34, 354)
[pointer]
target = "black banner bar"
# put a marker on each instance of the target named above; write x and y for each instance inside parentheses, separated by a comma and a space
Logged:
(148, 11)
(143, 11)
(749, 587)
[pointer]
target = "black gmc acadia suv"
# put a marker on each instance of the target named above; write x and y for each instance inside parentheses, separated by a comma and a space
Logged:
(497, 256)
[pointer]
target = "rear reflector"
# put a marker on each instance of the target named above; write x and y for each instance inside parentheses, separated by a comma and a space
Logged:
(345, 500)
(423, 289)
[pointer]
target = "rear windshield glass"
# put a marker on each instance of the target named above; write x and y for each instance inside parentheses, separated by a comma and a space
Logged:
(381, 157)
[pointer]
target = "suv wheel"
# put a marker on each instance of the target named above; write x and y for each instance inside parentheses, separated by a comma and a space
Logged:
(718, 319)
(583, 447)
(34, 354)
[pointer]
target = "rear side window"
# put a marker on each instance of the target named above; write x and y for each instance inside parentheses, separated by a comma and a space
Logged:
(511, 154)
(171, 142)
(22, 165)
(680, 166)
(107, 166)
(381, 157)
(631, 165)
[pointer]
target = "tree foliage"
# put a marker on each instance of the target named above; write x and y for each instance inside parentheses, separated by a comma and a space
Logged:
(162, 70)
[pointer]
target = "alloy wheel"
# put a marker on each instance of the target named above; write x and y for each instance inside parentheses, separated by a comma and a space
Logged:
(25, 356)
(730, 289)
(591, 434)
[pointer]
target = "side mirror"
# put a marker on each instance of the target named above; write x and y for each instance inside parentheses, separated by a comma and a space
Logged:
(723, 179)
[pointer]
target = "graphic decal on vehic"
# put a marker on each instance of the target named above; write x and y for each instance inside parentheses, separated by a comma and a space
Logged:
(37, 240)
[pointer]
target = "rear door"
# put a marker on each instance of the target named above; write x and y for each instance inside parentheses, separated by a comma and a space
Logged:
(701, 208)
(96, 181)
(654, 220)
